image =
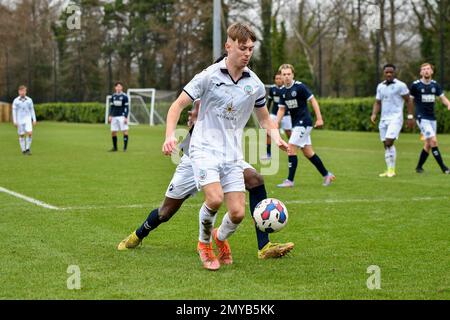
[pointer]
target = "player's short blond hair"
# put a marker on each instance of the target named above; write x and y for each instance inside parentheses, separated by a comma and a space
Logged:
(287, 66)
(241, 32)
(22, 87)
(427, 64)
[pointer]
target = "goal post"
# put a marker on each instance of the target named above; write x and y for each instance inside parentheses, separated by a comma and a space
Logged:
(141, 107)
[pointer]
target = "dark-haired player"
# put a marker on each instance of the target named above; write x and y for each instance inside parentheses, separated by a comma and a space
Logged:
(118, 115)
(296, 97)
(424, 91)
(391, 96)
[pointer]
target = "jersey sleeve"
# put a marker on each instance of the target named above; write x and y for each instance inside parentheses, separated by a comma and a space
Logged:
(439, 91)
(305, 93)
(126, 106)
(197, 86)
(404, 90)
(14, 111)
(270, 99)
(378, 94)
(413, 90)
(33, 114)
(260, 96)
(282, 103)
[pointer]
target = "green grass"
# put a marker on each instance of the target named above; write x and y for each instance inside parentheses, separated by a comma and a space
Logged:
(401, 225)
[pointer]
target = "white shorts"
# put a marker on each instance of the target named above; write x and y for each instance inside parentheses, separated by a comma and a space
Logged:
(209, 169)
(24, 127)
(286, 122)
(118, 124)
(183, 183)
(390, 129)
(301, 136)
(428, 128)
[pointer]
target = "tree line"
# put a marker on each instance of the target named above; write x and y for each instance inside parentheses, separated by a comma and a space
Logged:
(74, 51)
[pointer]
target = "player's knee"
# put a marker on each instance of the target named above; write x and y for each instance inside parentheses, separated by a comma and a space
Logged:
(389, 143)
(165, 213)
(252, 179)
(214, 201)
(433, 142)
(236, 216)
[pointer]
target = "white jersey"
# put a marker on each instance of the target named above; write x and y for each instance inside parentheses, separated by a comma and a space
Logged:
(23, 110)
(225, 110)
(391, 97)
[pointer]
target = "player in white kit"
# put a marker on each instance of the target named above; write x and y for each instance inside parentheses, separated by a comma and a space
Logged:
(391, 96)
(24, 118)
(229, 91)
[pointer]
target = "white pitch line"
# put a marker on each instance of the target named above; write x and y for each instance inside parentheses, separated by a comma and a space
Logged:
(29, 199)
(287, 202)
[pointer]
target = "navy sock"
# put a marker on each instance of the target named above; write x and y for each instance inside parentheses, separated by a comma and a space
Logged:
(257, 195)
(293, 162)
(114, 139)
(423, 157)
(151, 223)
(438, 157)
(125, 142)
(315, 160)
(269, 149)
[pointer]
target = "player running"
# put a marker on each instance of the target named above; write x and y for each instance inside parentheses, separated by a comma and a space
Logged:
(118, 116)
(295, 97)
(24, 118)
(424, 92)
(229, 91)
(273, 99)
(182, 186)
(390, 98)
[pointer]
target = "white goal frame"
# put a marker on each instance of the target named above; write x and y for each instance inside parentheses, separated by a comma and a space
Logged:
(149, 110)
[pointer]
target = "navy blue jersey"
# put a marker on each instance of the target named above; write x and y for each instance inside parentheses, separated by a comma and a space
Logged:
(274, 99)
(295, 99)
(119, 105)
(425, 98)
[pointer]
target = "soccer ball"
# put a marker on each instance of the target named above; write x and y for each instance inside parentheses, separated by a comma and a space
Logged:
(270, 215)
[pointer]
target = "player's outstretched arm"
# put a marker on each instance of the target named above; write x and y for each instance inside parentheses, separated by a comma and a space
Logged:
(280, 114)
(445, 101)
(272, 129)
(173, 116)
(14, 114)
(316, 107)
(375, 111)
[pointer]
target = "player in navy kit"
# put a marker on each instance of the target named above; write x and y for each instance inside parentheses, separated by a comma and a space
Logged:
(118, 115)
(295, 97)
(424, 92)
(273, 99)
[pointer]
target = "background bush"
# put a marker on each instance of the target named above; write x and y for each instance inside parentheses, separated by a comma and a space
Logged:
(339, 114)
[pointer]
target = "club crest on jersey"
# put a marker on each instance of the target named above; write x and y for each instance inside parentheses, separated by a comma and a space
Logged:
(294, 94)
(202, 175)
(433, 90)
(248, 89)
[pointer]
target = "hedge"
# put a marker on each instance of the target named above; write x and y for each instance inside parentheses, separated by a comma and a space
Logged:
(339, 114)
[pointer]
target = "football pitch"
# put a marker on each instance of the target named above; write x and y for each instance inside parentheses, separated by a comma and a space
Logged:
(89, 200)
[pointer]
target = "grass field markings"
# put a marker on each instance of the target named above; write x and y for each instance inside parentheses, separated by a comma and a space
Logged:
(29, 199)
(287, 202)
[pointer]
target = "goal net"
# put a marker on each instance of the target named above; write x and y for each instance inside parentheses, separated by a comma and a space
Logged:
(147, 106)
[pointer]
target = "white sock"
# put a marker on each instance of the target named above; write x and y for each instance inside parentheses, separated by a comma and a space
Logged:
(227, 228)
(28, 141)
(22, 143)
(207, 218)
(393, 152)
(387, 157)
